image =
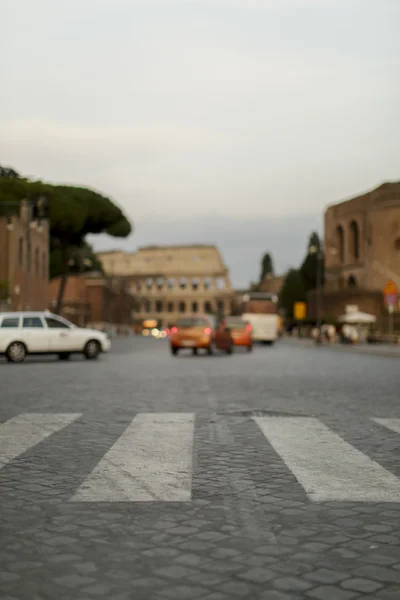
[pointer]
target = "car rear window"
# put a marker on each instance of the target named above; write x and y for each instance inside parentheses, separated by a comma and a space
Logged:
(10, 322)
(191, 322)
(236, 323)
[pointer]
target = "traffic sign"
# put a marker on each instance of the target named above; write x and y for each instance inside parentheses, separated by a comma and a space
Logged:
(390, 289)
(391, 299)
(300, 311)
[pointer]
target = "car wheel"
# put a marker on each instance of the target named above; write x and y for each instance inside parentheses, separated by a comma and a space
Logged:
(229, 350)
(16, 352)
(64, 356)
(174, 351)
(92, 349)
(249, 348)
(194, 351)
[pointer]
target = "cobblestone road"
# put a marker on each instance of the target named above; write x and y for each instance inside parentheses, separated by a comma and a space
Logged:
(273, 475)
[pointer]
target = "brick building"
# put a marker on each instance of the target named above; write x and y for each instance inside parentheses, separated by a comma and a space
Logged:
(24, 263)
(362, 251)
(95, 300)
(173, 281)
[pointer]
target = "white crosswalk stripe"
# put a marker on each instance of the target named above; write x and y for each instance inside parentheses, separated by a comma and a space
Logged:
(28, 429)
(393, 424)
(151, 461)
(328, 468)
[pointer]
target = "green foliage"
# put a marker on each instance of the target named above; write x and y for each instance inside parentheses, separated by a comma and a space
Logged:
(293, 290)
(267, 266)
(3, 289)
(309, 266)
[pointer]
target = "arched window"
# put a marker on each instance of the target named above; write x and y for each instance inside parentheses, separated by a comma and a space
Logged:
(182, 283)
(44, 266)
(220, 283)
(220, 306)
(171, 283)
(147, 306)
(340, 242)
(182, 307)
(195, 284)
(354, 241)
(207, 307)
(149, 283)
(37, 265)
(21, 251)
(160, 282)
(207, 283)
(159, 306)
(195, 307)
(138, 286)
(170, 307)
(352, 282)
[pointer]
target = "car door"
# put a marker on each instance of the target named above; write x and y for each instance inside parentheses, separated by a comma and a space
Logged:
(61, 335)
(34, 334)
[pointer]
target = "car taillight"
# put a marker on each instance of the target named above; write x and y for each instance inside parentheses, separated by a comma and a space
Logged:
(207, 331)
(174, 330)
(248, 327)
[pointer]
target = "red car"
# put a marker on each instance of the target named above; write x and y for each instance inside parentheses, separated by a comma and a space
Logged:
(240, 331)
(199, 332)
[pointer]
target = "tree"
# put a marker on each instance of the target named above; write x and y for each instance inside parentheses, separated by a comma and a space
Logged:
(73, 213)
(292, 291)
(267, 266)
(309, 267)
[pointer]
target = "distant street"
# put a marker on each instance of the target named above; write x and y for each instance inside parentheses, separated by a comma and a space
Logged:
(271, 475)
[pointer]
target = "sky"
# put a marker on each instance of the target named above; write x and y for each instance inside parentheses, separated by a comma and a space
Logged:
(233, 122)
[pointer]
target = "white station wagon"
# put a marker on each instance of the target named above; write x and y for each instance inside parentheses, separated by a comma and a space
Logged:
(23, 333)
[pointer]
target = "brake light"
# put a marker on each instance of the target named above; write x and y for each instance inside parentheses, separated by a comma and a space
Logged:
(174, 330)
(207, 331)
(248, 327)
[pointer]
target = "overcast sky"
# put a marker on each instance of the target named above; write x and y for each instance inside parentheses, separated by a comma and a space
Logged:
(192, 112)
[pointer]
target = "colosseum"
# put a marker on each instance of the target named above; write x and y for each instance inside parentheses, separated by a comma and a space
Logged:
(172, 281)
(362, 249)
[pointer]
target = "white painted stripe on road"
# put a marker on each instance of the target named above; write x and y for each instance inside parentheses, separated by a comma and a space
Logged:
(393, 424)
(151, 461)
(28, 429)
(328, 468)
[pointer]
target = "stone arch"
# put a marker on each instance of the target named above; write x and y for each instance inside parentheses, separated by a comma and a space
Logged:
(149, 283)
(182, 306)
(159, 306)
(160, 282)
(207, 282)
(195, 283)
(182, 283)
(207, 307)
(352, 282)
(220, 283)
(354, 240)
(170, 307)
(147, 306)
(340, 242)
(195, 307)
(171, 283)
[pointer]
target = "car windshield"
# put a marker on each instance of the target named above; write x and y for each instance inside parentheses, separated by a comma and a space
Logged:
(191, 322)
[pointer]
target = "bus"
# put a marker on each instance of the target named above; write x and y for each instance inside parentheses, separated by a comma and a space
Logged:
(260, 309)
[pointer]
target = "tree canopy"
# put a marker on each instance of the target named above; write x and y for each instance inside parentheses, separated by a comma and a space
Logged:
(267, 266)
(309, 266)
(73, 213)
(292, 291)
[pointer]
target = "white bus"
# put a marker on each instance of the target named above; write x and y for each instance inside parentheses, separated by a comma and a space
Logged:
(260, 309)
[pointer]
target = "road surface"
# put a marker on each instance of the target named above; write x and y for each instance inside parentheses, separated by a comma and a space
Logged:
(273, 475)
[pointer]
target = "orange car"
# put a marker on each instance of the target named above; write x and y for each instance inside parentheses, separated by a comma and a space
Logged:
(240, 331)
(199, 333)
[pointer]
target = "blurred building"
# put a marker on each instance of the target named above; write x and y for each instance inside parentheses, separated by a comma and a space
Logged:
(362, 251)
(94, 300)
(272, 284)
(172, 281)
(24, 262)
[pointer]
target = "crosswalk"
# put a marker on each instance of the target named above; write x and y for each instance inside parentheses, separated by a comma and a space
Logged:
(154, 457)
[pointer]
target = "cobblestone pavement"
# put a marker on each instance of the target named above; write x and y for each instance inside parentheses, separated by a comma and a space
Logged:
(284, 487)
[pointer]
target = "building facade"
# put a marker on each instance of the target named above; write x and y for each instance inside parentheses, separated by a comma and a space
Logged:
(169, 282)
(24, 263)
(362, 249)
(94, 300)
